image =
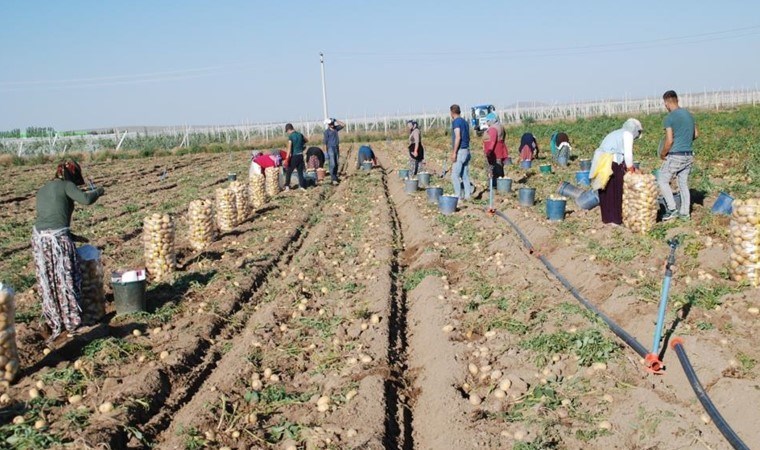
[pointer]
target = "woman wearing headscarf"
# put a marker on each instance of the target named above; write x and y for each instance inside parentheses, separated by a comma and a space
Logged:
(619, 144)
(55, 256)
(416, 151)
(495, 147)
(528, 147)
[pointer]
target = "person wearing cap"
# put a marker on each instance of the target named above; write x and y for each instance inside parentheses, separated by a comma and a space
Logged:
(495, 147)
(619, 144)
(332, 143)
(677, 155)
(55, 255)
(365, 153)
(528, 147)
(294, 156)
(416, 150)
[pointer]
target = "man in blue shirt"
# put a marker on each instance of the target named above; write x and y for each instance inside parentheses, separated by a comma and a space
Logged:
(460, 153)
(332, 143)
(677, 154)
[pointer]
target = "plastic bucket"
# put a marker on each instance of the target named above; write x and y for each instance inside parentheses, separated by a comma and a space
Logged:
(433, 192)
(585, 164)
(526, 164)
(545, 168)
(424, 179)
(566, 189)
(656, 173)
(527, 196)
(403, 173)
(504, 184)
(320, 174)
(231, 176)
(555, 208)
(367, 165)
(723, 204)
(588, 200)
(447, 204)
(637, 165)
(562, 160)
(128, 291)
(676, 198)
(508, 162)
(411, 186)
(582, 177)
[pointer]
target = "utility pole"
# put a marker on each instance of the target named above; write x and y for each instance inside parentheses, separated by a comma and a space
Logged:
(324, 89)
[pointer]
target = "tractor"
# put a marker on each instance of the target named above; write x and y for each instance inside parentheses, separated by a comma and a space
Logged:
(479, 114)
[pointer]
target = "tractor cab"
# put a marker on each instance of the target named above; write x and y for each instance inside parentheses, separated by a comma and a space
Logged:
(478, 121)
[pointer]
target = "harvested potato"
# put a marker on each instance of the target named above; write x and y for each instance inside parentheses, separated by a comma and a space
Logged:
(200, 218)
(158, 239)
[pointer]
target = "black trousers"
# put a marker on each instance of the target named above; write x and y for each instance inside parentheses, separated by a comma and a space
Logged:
(297, 163)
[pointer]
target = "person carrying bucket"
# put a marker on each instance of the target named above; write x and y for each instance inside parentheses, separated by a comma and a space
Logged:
(332, 143)
(460, 154)
(365, 153)
(55, 256)
(611, 160)
(416, 150)
(495, 147)
(677, 156)
(528, 147)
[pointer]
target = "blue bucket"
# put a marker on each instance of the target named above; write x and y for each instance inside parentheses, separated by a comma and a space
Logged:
(723, 204)
(582, 177)
(403, 173)
(585, 164)
(588, 200)
(367, 165)
(508, 162)
(447, 204)
(526, 164)
(568, 190)
(527, 196)
(562, 160)
(424, 179)
(411, 186)
(555, 209)
(504, 184)
(433, 192)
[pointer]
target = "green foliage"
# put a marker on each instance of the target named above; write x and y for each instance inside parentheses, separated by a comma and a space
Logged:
(706, 297)
(284, 430)
(113, 350)
(69, 378)
(192, 438)
(589, 345)
(414, 278)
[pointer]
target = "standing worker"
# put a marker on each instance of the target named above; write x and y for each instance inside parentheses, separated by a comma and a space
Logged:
(460, 153)
(677, 155)
(495, 147)
(332, 143)
(365, 154)
(416, 151)
(55, 256)
(294, 156)
(618, 147)
(528, 147)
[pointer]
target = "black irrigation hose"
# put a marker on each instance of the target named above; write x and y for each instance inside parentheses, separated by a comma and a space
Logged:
(677, 344)
(709, 406)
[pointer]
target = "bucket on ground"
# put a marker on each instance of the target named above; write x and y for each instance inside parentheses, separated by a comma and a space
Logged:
(526, 164)
(527, 196)
(424, 179)
(545, 168)
(433, 192)
(555, 208)
(321, 174)
(504, 184)
(676, 198)
(582, 177)
(585, 164)
(403, 173)
(128, 290)
(447, 204)
(367, 165)
(562, 160)
(723, 204)
(231, 176)
(411, 186)
(588, 200)
(508, 162)
(566, 189)
(637, 165)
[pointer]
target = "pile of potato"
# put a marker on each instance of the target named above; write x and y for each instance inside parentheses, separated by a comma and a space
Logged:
(158, 238)
(272, 175)
(640, 202)
(242, 205)
(226, 210)
(257, 190)
(200, 218)
(745, 241)
(8, 351)
(93, 299)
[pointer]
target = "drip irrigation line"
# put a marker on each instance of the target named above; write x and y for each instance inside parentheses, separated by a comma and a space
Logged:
(676, 345)
(709, 406)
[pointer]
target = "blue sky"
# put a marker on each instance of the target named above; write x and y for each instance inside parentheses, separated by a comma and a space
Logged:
(81, 64)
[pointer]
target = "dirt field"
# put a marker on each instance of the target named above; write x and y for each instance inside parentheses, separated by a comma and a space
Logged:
(359, 317)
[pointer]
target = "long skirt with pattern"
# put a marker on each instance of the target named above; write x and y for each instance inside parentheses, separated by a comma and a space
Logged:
(59, 279)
